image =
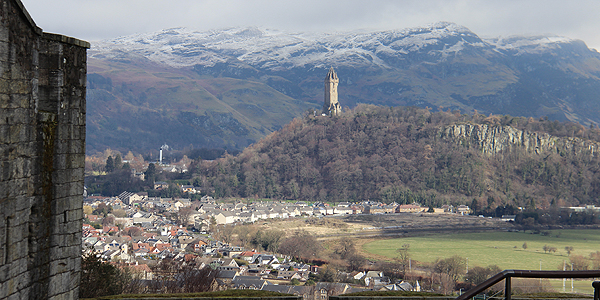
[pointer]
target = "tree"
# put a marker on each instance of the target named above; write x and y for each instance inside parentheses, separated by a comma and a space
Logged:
(595, 258)
(524, 246)
(119, 213)
(88, 210)
(132, 231)
(478, 274)
(100, 278)
(301, 245)
(569, 249)
(356, 262)
(110, 165)
(182, 217)
(108, 220)
(151, 173)
(579, 262)
(403, 257)
(118, 162)
(345, 248)
(453, 266)
(269, 240)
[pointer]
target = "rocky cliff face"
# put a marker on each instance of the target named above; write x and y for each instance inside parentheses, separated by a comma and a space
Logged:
(492, 139)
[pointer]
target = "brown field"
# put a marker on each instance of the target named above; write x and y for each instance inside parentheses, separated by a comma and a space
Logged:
(388, 225)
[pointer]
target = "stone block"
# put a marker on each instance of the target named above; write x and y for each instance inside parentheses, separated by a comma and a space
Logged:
(76, 174)
(21, 101)
(4, 134)
(63, 132)
(60, 161)
(19, 86)
(76, 205)
(4, 32)
(4, 101)
(22, 206)
(76, 146)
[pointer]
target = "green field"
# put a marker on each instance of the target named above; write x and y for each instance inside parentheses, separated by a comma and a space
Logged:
(495, 248)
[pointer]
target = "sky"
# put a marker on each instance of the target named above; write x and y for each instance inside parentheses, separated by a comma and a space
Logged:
(94, 20)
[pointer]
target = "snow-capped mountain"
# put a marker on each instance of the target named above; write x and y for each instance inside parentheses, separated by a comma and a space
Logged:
(262, 78)
(272, 50)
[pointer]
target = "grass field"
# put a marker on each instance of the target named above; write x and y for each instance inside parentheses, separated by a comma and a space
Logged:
(493, 248)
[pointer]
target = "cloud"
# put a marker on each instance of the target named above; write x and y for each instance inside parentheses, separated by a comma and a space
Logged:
(100, 19)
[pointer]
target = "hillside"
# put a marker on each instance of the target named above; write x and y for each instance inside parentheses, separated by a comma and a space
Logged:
(231, 87)
(407, 154)
(138, 105)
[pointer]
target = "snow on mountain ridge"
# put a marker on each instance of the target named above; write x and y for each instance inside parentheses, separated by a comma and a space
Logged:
(273, 49)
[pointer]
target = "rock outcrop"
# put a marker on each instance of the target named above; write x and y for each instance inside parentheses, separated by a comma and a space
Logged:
(492, 139)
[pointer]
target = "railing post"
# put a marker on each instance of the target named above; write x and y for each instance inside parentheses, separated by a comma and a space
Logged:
(596, 285)
(507, 288)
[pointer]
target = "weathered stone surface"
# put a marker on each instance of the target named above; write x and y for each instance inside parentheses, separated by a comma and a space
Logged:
(492, 139)
(42, 99)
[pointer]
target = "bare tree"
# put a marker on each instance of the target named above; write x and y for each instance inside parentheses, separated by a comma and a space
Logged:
(478, 274)
(579, 262)
(447, 284)
(346, 248)
(595, 258)
(182, 217)
(453, 266)
(301, 245)
(569, 249)
(356, 262)
(403, 257)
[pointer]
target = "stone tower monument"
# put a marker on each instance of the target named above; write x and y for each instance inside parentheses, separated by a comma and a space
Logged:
(331, 107)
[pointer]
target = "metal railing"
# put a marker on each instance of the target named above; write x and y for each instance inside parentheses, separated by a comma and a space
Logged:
(506, 275)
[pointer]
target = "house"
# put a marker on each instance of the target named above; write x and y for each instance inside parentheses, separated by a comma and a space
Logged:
(93, 218)
(288, 275)
(409, 208)
(159, 185)
(265, 259)
(197, 245)
(402, 286)
(508, 218)
(357, 275)
(189, 189)
(228, 264)
(225, 217)
(463, 210)
(248, 283)
(227, 276)
(375, 278)
(248, 255)
(343, 210)
(142, 272)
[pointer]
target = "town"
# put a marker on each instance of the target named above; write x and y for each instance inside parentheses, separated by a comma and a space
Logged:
(139, 232)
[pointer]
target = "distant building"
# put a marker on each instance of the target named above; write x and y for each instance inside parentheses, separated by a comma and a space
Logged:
(159, 185)
(331, 107)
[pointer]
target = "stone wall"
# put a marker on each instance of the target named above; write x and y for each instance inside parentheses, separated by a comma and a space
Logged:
(42, 153)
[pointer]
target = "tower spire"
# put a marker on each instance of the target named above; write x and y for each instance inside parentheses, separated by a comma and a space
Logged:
(331, 107)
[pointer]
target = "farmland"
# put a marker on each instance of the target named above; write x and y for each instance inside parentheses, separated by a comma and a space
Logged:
(504, 249)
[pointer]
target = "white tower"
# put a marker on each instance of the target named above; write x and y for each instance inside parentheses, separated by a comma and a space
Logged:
(331, 106)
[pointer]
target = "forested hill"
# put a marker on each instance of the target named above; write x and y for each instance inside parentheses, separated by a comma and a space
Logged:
(408, 154)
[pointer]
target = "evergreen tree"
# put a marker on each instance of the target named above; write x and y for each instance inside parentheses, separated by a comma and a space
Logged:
(110, 165)
(151, 173)
(118, 162)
